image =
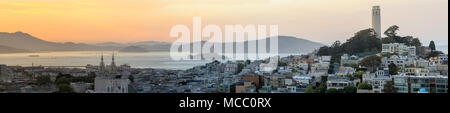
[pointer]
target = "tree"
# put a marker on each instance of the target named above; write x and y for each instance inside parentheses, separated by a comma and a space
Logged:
(87, 79)
(392, 31)
(247, 62)
(350, 89)
(393, 69)
(282, 63)
(371, 62)
(331, 69)
(389, 87)
(63, 80)
(310, 89)
(43, 80)
(63, 75)
(364, 86)
(387, 40)
(363, 41)
(294, 70)
(434, 54)
(323, 79)
(332, 90)
(405, 54)
(392, 37)
(336, 44)
(91, 87)
(275, 71)
(65, 88)
(432, 46)
(359, 75)
(354, 66)
(322, 88)
(416, 42)
(240, 67)
(131, 78)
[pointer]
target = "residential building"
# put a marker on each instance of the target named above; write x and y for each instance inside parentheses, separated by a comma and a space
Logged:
(399, 49)
(347, 60)
(337, 82)
(413, 84)
(345, 71)
(303, 80)
(422, 51)
(253, 78)
(397, 60)
(231, 67)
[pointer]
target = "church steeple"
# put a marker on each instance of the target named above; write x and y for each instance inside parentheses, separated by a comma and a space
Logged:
(113, 58)
(102, 64)
(113, 64)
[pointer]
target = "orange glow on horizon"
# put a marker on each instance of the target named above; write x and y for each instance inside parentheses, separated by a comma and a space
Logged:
(93, 21)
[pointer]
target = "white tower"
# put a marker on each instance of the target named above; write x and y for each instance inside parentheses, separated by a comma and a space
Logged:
(376, 20)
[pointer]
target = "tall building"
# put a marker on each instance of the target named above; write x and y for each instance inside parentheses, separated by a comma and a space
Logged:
(376, 20)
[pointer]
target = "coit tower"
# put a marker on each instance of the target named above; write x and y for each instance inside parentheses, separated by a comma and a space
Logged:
(376, 20)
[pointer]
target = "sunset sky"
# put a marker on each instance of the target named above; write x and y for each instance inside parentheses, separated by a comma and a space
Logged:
(93, 21)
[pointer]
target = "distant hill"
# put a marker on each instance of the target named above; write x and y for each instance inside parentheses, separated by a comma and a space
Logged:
(286, 44)
(133, 49)
(25, 42)
(5, 49)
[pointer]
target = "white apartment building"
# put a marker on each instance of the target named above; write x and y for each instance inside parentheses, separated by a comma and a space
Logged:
(398, 48)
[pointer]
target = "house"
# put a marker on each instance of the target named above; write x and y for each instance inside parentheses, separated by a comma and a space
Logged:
(253, 78)
(399, 61)
(231, 67)
(421, 63)
(303, 80)
(244, 86)
(337, 82)
(378, 79)
(325, 59)
(423, 51)
(347, 60)
(345, 71)
(443, 60)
